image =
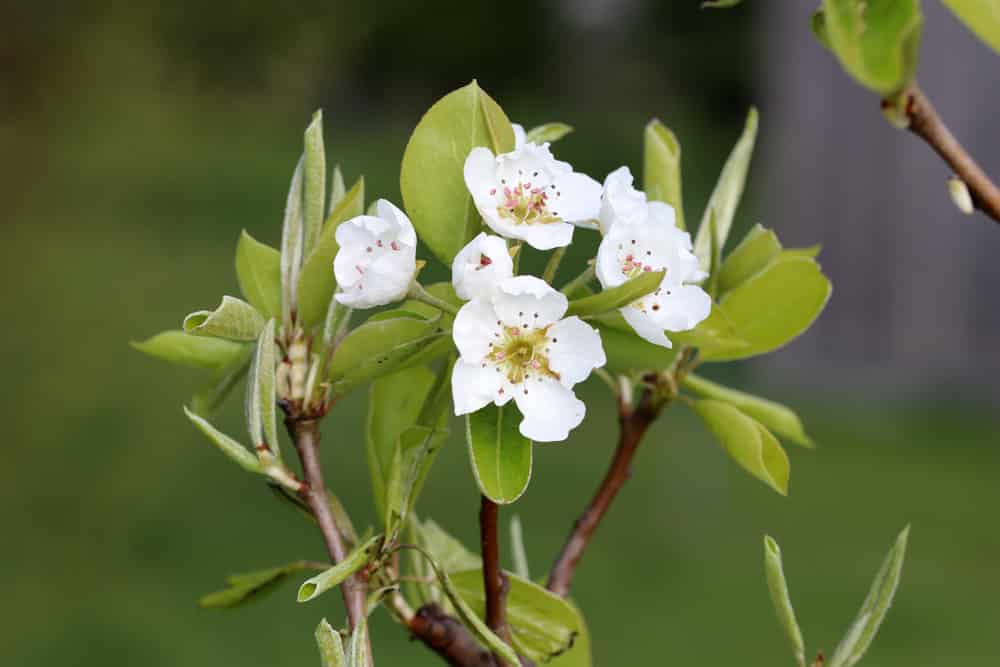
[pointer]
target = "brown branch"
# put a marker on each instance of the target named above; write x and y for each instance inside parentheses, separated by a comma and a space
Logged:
(495, 583)
(633, 423)
(925, 122)
(447, 637)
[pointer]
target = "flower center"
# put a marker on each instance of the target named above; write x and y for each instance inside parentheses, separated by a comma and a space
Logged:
(525, 204)
(521, 353)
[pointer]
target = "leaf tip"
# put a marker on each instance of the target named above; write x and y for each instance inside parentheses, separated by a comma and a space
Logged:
(306, 591)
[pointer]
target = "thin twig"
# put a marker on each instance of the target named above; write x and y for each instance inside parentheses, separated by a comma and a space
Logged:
(925, 122)
(495, 582)
(633, 423)
(447, 637)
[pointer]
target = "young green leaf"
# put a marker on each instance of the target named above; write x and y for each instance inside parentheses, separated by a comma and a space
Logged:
(357, 649)
(715, 255)
(432, 177)
(316, 281)
(415, 450)
(337, 187)
(775, 416)
(517, 547)
(450, 554)
(980, 16)
(258, 270)
(626, 351)
(866, 624)
(542, 624)
(715, 335)
(579, 655)
(549, 132)
(778, 589)
(314, 183)
(876, 41)
(331, 646)
(757, 249)
(249, 586)
(354, 561)
(178, 347)
(616, 297)
(261, 399)
(662, 168)
(233, 319)
(727, 193)
(291, 245)
(747, 442)
(501, 456)
(207, 399)
(227, 445)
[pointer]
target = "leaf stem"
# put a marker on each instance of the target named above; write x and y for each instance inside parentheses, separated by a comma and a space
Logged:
(585, 277)
(553, 264)
(418, 293)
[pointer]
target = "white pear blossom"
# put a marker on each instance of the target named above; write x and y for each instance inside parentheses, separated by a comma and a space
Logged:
(527, 194)
(480, 266)
(515, 344)
(376, 261)
(520, 136)
(641, 236)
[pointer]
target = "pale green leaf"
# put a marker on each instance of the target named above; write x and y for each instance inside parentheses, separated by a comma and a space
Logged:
(616, 297)
(291, 244)
(777, 587)
(579, 655)
(337, 187)
(521, 568)
(334, 576)
(178, 347)
(233, 319)
(747, 442)
(415, 449)
(432, 181)
(775, 416)
(207, 399)
(314, 183)
(547, 133)
(757, 249)
(316, 281)
(501, 456)
(980, 16)
(261, 399)
(450, 554)
(626, 351)
(234, 450)
(357, 648)
(662, 168)
(331, 646)
(876, 605)
(249, 586)
(727, 193)
(715, 335)
(258, 270)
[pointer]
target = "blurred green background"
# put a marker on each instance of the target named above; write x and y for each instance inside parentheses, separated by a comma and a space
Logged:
(138, 139)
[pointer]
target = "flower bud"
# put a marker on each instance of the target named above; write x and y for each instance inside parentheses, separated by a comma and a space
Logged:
(959, 192)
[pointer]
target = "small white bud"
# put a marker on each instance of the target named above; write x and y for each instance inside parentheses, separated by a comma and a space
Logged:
(959, 192)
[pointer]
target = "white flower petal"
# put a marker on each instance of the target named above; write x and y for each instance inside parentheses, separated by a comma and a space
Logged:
(520, 136)
(527, 300)
(574, 350)
(474, 386)
(620, 201)
(681, 308)
(550, 410)
(576, 198)
(404, 232)
(645, 327)
(474, 329)
(480, 266)
(480, 172)
(662, 213)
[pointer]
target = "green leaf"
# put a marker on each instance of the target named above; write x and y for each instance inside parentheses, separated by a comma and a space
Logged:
(292, 240)
(337, 187)
(861, 634)
(727, 193)
(316, 282)
(261, 401)
(450, 554)
(233, 319)
(773, 307)
(354, 561)
(715, 335)
(331, 646)
(626, 351)
(778, 589)
(517, 548)
(314, 185)
(616, 297)
(380, 347)
(357, 649)
(432, 180)
(501, 456)
(876, 41)
(980, 16)
(748, 443)
(258, 270)
(715, 255)
(415, 450)
(579, 655)
(775, 416)
(549, 132)
(719, 4)
(662, 168)
(757, 249)
(241, 588)
(213, 393)
(227, 445)
(178, 347)
(542, 624)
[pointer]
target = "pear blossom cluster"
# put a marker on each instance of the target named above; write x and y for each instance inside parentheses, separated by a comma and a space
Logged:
(513, 339)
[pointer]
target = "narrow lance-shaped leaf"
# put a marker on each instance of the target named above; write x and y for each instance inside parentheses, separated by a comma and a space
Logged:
(314, 185)
(291, 245)
(178, 347)
(662, 168)
(778, 589)
(337, 188)
(357, 653)
(712, 284)
(233, 319)
(748, 443)
(258, 270)
(354, 561)
(501, 456)
(250, 586)
(775, 416)
(980, 16)
(547, 133)
(227, 445)
(876, 605)
(616, 297)
(331, 646)
(521, 568)
(261, 399)
(727, 193)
